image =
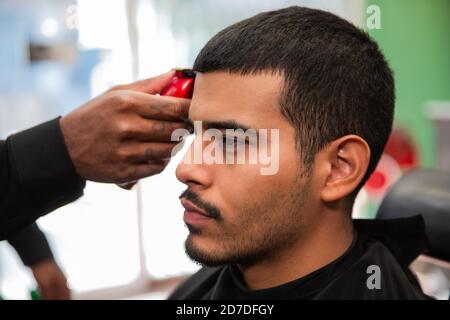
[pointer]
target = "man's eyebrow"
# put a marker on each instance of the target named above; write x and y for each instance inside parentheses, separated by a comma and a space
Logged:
(221, 125)
(224, 125)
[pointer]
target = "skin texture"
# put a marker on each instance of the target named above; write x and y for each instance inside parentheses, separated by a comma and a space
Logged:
(279, 227)
(124, 134)
(51, 281)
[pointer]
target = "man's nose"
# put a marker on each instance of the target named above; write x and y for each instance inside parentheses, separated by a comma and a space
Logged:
(192, 171)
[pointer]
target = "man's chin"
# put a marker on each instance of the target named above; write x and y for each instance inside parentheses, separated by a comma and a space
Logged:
(204, 257)
(209, 253)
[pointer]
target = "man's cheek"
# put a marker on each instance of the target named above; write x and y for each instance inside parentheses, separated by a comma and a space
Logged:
(269, 153)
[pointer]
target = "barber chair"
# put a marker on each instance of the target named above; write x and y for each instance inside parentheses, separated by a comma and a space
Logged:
(425, 192)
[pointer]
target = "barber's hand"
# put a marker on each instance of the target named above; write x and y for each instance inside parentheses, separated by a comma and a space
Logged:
(125, 134)
(51, 281)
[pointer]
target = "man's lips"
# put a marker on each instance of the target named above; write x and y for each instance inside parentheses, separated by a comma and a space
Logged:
(189, 206)
(193, 214)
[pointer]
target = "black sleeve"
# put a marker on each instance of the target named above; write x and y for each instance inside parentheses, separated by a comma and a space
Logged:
(31, 245)
(36, 176)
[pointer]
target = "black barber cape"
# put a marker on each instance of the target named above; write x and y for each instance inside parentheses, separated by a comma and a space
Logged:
(389, 244)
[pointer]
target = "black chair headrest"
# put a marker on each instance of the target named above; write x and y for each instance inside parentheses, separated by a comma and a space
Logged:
(425, 192)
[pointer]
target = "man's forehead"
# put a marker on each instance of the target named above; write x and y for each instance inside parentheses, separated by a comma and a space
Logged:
(250, 99)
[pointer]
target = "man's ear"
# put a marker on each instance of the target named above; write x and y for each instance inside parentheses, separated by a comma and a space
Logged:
(343, 164)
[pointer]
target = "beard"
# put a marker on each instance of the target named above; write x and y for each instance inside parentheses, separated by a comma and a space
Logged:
(262, 231)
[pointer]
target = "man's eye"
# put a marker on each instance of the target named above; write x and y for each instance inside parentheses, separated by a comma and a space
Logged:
(232, 142)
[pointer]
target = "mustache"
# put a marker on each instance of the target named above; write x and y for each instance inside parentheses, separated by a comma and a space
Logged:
(209, 208)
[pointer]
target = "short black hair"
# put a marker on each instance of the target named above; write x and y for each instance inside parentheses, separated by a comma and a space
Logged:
(336, 80)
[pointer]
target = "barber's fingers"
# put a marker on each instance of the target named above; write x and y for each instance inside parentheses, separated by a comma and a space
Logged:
(148, 169)
(150, 152)
(162, 107)
(161, 151)
(134, 172)
(141, 153)
(151, 106)
(150, 159)
(144, 170)
(153, 131)
(152, 85)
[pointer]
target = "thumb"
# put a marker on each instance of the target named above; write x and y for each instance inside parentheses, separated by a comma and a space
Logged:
(151, 85)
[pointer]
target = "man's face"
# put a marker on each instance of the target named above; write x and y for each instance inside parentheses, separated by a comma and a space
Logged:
(251, 216)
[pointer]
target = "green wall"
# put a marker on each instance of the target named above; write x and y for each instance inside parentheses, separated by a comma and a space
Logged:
(415, 37)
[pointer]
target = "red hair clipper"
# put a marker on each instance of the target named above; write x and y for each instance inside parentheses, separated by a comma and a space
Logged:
(181, 86)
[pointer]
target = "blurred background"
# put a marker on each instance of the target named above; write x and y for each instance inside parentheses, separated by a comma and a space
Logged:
(57, 54)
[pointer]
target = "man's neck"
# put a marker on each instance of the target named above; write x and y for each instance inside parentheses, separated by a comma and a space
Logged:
(305, 256)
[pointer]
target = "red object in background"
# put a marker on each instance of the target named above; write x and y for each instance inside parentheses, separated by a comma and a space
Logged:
(387, 172)
(377, 180)
(400, 146)
(399, 155)
(182, 84)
